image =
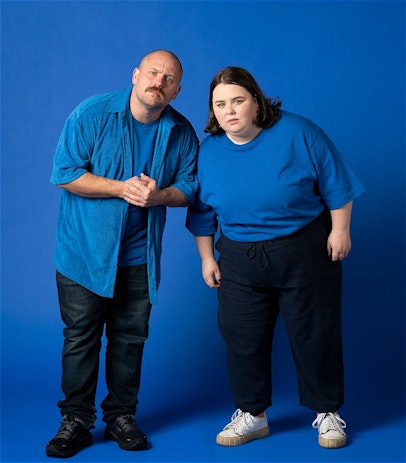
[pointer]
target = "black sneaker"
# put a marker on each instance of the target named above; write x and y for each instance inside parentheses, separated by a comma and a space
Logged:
(124, 431)
(71, 437)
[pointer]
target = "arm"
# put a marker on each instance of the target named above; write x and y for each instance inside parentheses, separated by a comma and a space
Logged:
(143, 191)
(339, 241)
(93, 186)
(139, 191)
(210, 269)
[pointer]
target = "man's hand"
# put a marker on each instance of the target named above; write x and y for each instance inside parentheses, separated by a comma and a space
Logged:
(142, 191)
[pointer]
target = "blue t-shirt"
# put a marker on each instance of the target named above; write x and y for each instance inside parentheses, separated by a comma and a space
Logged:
(271, 186)
(133, 246)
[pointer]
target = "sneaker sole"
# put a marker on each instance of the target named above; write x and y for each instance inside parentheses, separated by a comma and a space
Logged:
(239, 440)
(51, 451)
(332, 443)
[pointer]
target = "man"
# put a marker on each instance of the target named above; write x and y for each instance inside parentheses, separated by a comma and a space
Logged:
(122, 158)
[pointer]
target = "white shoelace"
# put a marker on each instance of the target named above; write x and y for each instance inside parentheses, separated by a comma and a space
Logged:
(329, 422)
(239, 421)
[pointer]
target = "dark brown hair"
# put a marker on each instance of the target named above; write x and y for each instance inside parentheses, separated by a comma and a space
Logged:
(268, 110)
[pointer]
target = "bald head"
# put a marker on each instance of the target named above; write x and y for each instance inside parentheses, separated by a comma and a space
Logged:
(169, 55)
(156, 82)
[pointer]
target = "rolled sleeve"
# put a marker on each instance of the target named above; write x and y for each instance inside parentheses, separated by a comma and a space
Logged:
(72, 154)
(337, 182)
(201, 220)
(185, 179)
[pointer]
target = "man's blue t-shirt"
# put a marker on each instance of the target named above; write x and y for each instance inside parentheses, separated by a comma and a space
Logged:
(133, 246)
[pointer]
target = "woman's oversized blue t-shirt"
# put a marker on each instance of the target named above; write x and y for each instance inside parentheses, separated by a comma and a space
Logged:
(271, 186)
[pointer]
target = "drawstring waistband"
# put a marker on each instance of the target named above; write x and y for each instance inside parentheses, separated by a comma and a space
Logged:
(257, 250)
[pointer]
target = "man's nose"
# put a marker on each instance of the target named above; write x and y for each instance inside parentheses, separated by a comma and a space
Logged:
(159, 81)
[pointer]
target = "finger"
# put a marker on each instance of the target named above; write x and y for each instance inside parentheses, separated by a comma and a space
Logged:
(145, 179)
(139, 184)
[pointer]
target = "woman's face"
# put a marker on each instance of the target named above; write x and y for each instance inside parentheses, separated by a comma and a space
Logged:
(236, 111)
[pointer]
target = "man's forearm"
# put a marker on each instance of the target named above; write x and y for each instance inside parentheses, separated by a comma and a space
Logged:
(173, 197)
(94, 186)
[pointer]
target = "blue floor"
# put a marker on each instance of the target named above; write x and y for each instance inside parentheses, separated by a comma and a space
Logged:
(185, 399)
(183, 430)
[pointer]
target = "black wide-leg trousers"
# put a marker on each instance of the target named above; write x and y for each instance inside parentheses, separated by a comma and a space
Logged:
(295, 277)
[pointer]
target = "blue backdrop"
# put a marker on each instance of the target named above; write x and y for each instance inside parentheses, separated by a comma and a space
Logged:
(341, 64)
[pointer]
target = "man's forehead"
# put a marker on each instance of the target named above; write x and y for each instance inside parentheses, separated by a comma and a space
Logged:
(160, 61)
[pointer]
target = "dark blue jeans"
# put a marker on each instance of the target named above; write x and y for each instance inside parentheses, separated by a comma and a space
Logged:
(292, 276)
(125, 318)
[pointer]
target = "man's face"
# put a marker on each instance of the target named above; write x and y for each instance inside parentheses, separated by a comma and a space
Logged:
(156, 81)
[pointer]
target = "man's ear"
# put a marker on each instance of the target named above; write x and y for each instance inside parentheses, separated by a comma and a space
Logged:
(177, 93)
(136, 73)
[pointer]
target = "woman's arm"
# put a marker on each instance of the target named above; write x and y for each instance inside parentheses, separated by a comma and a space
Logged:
(339, 240)
(210, 269)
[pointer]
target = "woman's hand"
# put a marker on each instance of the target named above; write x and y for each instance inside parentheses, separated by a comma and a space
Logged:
(339, 241)
(211, 272)
(210, 269)
(338, 245)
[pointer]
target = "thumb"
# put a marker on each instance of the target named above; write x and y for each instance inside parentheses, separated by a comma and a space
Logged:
(145, 178)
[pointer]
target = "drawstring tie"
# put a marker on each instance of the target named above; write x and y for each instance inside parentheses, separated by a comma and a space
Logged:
(257, 250)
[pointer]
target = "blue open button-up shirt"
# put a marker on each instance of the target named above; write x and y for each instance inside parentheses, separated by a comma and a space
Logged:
(97, 138)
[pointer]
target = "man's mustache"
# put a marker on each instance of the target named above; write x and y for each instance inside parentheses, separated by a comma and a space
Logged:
(155, 89)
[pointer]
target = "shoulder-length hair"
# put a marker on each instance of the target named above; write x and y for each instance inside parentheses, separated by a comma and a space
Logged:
(268, 110)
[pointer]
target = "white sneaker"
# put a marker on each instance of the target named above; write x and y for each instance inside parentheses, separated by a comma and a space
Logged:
(243, 428)
(331, 430)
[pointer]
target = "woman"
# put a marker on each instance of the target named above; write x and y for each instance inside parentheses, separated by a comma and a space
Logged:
(281, 195)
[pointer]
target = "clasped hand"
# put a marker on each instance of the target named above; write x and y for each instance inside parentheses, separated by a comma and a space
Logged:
(141, 191)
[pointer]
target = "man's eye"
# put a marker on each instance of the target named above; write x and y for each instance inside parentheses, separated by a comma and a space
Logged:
(169, 79)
